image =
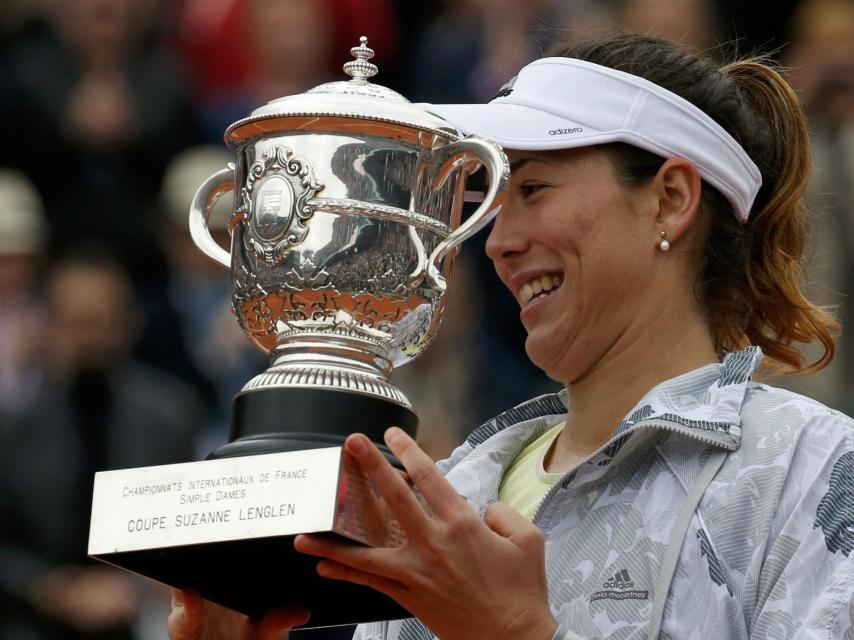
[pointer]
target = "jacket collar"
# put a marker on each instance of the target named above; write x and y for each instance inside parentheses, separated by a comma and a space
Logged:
(704, 404)
(705, 401)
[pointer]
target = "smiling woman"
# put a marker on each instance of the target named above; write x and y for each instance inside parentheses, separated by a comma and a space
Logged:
(652, 236)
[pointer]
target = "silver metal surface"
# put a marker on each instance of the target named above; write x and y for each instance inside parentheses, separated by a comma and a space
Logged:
(343, 234)
(360, 69)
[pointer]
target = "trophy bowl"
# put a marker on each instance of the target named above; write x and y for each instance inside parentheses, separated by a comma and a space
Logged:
(346, 219)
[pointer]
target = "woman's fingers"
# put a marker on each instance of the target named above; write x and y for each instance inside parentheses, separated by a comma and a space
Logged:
(507, 523)
(337, 571)
(276, 623)
(194, 619)
(378, 562)
(389, 483)
(440, 495)
(185, 619)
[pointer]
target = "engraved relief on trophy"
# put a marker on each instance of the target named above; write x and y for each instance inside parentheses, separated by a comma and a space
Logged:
(306, 276)
(275, 203)
(274, 200)
(248, 303)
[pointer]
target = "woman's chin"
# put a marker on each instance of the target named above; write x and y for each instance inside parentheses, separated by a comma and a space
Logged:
(558, 359)
(542, 352)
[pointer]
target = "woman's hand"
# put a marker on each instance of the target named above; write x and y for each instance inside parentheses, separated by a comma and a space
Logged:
(88, 599)
(195, 619)
(461, 576)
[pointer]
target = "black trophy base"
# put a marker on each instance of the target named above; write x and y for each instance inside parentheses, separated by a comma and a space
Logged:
(277, 419)
(255, 576)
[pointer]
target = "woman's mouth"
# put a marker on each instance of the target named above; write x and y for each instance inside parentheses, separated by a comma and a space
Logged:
(538, 287)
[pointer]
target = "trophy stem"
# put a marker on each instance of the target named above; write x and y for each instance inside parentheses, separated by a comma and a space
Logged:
(319, 389)
(296, 419)
(341, 360)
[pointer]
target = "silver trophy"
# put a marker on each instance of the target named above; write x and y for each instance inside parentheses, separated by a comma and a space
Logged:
(347, 203)
(346, 219)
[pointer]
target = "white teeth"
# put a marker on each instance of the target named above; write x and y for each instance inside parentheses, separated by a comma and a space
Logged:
(527, 292)
(541, 284)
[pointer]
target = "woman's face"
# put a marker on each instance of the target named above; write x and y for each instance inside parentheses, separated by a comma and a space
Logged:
(577, 249)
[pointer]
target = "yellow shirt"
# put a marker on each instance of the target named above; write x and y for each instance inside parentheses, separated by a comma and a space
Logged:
(526, 481)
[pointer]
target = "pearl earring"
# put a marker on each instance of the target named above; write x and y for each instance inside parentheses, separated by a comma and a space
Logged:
(664, 244)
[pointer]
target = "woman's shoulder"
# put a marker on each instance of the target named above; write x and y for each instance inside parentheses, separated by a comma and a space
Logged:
(792, 450)
(768, 410)
(783, 500)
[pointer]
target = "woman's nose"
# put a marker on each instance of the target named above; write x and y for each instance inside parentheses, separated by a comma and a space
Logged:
(507, 236)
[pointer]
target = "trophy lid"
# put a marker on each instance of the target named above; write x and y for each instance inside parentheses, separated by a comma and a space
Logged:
(356, 100)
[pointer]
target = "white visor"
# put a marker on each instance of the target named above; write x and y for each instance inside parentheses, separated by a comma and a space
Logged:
(562, 103)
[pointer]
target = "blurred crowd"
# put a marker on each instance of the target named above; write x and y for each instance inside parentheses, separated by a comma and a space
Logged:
(117, 345)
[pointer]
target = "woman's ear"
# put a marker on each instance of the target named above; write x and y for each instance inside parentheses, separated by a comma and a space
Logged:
(677, 186)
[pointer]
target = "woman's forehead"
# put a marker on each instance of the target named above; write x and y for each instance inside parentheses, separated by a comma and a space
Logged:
(553, 157)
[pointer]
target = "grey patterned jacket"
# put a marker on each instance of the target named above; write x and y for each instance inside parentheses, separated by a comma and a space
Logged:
(721, 508)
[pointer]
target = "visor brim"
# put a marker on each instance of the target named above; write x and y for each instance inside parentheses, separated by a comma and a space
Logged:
(519, 127)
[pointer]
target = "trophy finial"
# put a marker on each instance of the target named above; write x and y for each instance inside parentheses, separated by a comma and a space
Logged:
(360, 69)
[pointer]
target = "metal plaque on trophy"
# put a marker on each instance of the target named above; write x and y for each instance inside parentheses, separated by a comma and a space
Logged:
(346, 218)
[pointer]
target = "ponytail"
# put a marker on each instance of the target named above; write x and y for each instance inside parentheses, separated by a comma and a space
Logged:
(776, 231)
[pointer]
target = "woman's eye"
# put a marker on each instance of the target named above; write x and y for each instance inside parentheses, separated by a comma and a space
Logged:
(529, 189)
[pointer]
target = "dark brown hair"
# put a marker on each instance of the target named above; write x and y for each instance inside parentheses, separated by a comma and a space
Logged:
(750, 280)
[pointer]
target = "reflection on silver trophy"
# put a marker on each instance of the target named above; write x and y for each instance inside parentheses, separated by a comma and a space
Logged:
(346, 216)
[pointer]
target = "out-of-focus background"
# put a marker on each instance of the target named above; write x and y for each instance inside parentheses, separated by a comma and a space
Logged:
(117, 345)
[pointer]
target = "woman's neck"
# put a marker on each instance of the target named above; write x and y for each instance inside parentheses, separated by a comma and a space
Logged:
(672, 344)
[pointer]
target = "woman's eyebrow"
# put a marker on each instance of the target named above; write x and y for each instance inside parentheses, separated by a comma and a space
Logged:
(518, 164)
(521, 162)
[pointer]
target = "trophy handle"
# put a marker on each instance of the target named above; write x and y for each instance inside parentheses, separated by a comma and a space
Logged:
(200, 212)
(497, 167)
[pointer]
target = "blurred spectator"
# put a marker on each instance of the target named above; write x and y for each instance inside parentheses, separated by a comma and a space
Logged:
(821, 62)
(244, 53)
(23, 235)
(200, 289)
(758, 25)
(97, 410)
(18, 17)
(472, 48)
(821, 59)
(107, 112)
(693, 24)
